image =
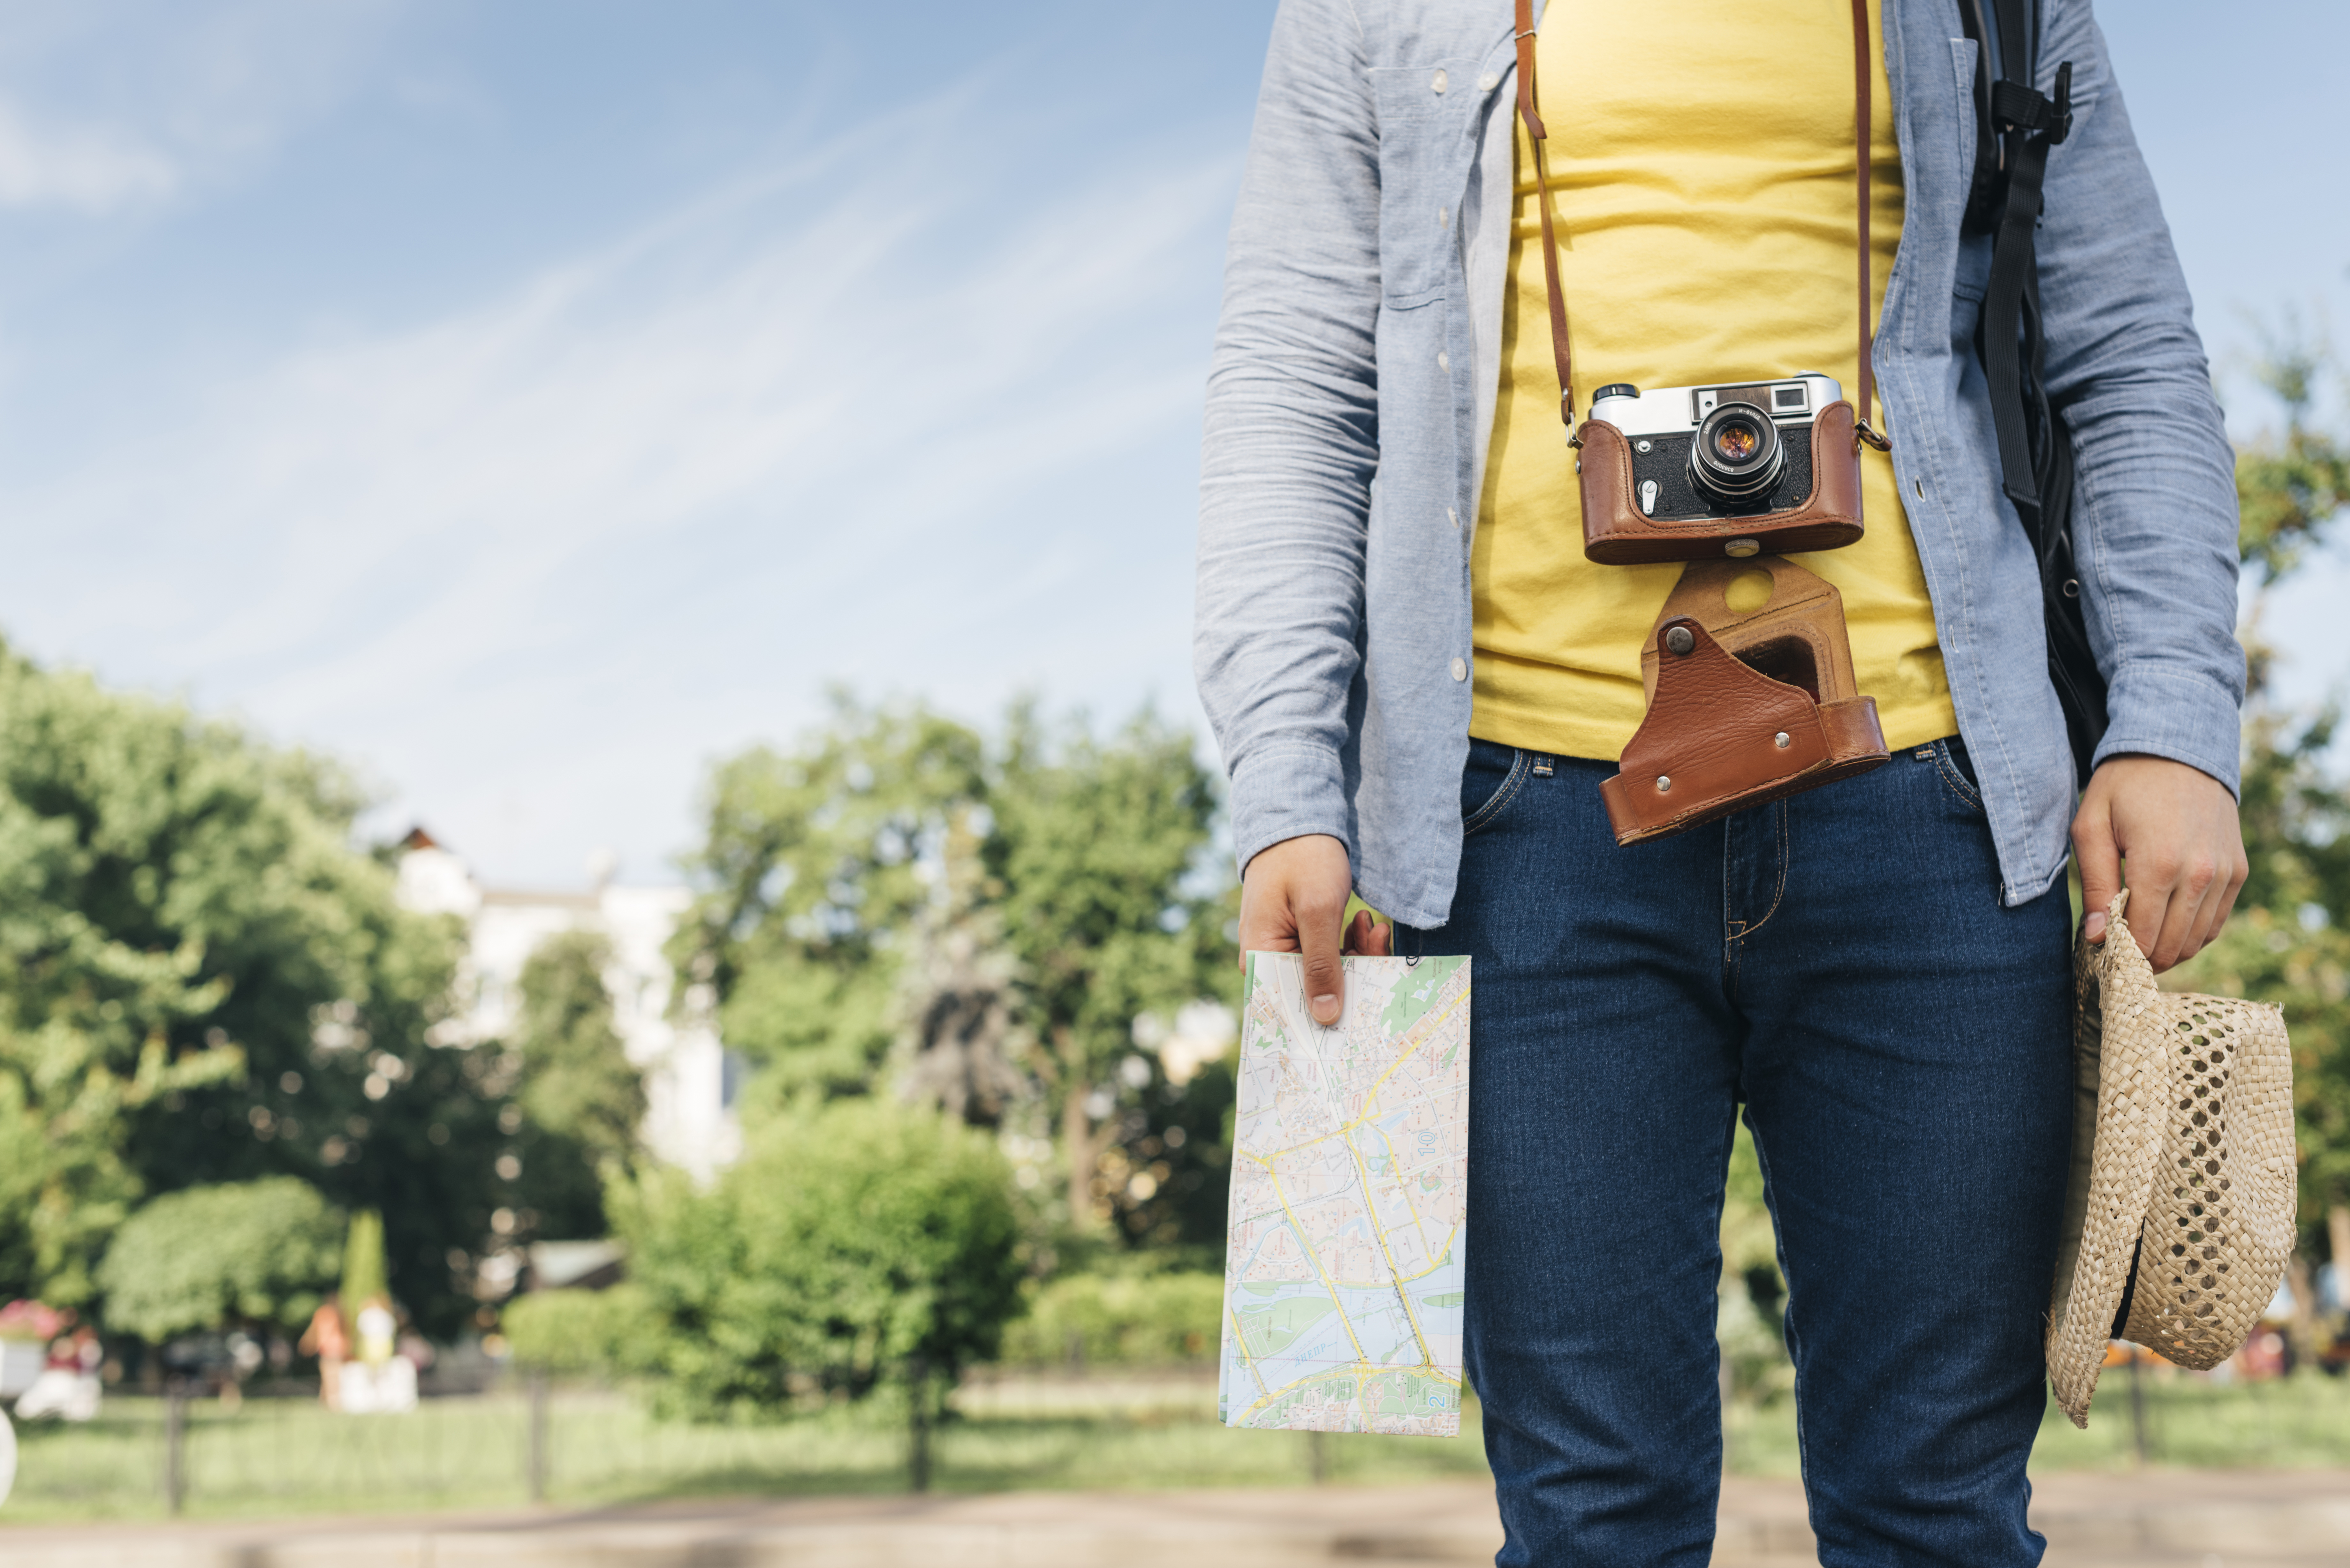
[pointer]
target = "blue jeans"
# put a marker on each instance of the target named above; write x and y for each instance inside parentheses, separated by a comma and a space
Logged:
(1838, 962)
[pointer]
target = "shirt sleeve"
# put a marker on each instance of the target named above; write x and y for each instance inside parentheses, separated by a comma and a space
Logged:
(2154, 500)
(1290, 438)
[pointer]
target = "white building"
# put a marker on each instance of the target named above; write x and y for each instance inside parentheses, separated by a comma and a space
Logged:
(688, 1087)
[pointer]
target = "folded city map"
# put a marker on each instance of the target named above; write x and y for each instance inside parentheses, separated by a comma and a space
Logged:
(1344, 1275)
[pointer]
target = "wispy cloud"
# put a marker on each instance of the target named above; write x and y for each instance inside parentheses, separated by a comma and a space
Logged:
(87, 169)
(856, 417)
(109, 106)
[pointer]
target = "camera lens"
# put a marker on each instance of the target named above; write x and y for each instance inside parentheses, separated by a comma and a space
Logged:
(1737, 456)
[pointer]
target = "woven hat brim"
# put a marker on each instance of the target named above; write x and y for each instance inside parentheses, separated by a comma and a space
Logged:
(2183, 1173)
(2120, 1085)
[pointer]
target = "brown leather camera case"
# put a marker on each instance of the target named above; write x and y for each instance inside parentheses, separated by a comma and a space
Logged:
(1761, 704)
(1617, 533)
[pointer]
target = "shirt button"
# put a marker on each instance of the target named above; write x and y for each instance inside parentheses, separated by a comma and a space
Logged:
(1454, 513)
(1489, 81)
(1440, 82)
(1444, 361)
(1459, 669)
(1443, 216)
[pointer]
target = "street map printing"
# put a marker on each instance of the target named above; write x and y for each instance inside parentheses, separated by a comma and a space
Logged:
(1344, 1273)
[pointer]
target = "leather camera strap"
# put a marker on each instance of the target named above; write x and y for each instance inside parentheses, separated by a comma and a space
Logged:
(1562, 347)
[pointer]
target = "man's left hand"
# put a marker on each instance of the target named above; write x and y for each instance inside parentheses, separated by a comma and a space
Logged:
(2177, 828)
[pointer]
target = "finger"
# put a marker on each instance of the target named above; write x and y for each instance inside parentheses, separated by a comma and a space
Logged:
(1367, 937)
(1266, 924)
(2194, 913)
(1381, 941)
(2100, 860)
(1318, 927)
(2150, 905)
(2168, 883)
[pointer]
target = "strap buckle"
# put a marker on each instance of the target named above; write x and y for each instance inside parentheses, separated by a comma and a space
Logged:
(2015, 107)
(1867, 434)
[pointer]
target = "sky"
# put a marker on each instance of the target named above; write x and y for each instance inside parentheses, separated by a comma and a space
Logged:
(531, 403)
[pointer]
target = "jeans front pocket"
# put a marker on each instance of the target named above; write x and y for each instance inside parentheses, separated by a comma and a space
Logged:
(1956, 771)
(1489, 781)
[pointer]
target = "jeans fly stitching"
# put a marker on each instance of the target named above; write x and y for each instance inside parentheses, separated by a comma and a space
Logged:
(1483, 818)
(1742, 929)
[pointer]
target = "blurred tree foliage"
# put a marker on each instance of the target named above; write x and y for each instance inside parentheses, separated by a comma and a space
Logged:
(856, 1245)
(580, 1098)
(894, 906)
(813, 866)
(200, 982)
(1095, 846)
(2290, 941)
(255, 1253)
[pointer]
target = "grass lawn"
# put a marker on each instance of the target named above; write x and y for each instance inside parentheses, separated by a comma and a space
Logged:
(287, 1457)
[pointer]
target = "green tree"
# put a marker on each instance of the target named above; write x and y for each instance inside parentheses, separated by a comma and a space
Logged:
(202, 981)
(856, 1246)
(581, 1100)
(1100, 853)
(258, 1253)
(813, 866)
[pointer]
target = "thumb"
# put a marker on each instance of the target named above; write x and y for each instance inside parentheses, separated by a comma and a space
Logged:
(1317, 939)
(2095, 851)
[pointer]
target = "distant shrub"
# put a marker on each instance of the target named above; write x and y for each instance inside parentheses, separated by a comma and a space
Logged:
(854, 1246)
(1146, 1319)
(256, 1251)
(610, 1331)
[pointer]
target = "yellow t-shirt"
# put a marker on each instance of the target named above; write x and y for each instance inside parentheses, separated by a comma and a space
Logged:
(1701, 157)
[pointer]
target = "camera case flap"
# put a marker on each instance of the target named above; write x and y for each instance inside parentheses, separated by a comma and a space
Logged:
(1743, 708)
(1618, 533)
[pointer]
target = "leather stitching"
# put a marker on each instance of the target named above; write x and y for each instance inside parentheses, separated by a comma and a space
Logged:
(1520, 762)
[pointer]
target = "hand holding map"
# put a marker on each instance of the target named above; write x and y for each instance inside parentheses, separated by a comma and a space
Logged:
(1345, 1272)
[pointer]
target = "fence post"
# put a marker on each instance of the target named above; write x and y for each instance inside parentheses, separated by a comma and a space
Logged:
(918, 1401)
(2137, 1403)
(537, 1434)
(175, 1450)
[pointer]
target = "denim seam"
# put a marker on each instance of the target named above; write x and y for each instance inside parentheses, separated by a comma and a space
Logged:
(1779, 893)
(1788, 1331)
(1948, 768)
(1483, 818)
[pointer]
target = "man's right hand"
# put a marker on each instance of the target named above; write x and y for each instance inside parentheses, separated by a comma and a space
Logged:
(1293, 900)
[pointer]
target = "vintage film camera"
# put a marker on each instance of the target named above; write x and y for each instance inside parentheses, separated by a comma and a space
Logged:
(1719, 451)
(1734, 468)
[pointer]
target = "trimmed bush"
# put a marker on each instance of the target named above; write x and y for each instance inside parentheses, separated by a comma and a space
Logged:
(1146, 1320)
(608, 1332)
(855, 1246)
(256, 1251)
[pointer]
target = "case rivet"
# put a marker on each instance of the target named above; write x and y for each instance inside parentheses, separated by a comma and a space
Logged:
(1664, 783)
(1739, 549)
(1680, 639)
(1780, 739)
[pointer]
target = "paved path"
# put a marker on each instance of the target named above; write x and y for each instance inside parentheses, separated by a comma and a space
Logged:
(2155, 1520)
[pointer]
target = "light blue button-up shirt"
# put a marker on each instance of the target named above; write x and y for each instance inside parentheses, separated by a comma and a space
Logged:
(1352, 397)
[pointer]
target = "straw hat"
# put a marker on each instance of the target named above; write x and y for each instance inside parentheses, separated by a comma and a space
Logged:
(2181, 1201)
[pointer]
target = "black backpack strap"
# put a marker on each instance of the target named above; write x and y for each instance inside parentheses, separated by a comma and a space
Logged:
(2035, 450)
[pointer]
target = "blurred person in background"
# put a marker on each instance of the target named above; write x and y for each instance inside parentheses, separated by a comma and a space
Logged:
(329, 1340)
